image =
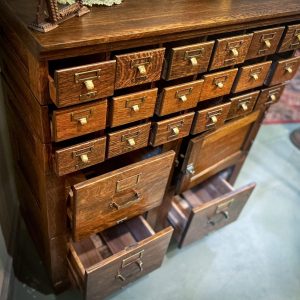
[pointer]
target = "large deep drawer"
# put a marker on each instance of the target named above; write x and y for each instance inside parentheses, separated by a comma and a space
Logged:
(108, 199)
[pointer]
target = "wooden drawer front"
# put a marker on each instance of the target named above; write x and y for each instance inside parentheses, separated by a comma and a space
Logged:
(251, 76)
(264, 42)
(69, 123)
(171, 129)
(291, 40)
(133, 107)
(79, 84)
(80, 156)
(209, 154)
(189, 60)
(217, 84)
(206, 208)
(269, 96)
(105, 200)
(127, 140)
(110, 260)
(139, 67)
(210, 118)
(242, 105)
(283, 70)
(179, 97)
(230, 51)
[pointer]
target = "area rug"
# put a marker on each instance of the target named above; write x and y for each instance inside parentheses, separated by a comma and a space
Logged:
(287, 109)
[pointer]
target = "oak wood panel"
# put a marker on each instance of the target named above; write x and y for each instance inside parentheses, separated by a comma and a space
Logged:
(269, 96)
(251, 76)
(291, 39)
(128, 73)
(179, 97)
(210, 118)
(132, 107)
(70, 88)
(210, 152)
(217, 84)
(242, 105)
(66, 123)
(102, 279)
(128, 139)
(118, 24)
(179, 63)
(283, 70)
(223, 55)
(264, 42)
(101, 202)
(71, 159)
(171, 129)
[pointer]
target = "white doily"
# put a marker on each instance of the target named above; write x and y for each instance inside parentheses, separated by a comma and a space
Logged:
(92, 2)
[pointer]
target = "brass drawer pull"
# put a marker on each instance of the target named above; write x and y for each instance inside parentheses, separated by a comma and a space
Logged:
(254, 76)
(142, 69)
(244, 106)
(140, 65)
(83, 121)
(81, 117)
(273, 97)
(254, 73)
(220, 81)
(84, 158)
(175, 131)
(192, 55)
(80, 77)
(220, 85)
(194, 61)
(132, 200)
(131, 142)
(82, 154)
(135, 259)
(135, 108)
(267, 43)
(183, 94)
(130, 139)
(135, 104)
(222, 212)
(289, 69)
(234, 52)
(89, 85)
(213, 119)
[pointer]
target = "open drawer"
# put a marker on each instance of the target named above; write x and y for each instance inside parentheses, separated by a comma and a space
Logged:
(205, 208)
(210, 153)
(105, 262)
(98, 201)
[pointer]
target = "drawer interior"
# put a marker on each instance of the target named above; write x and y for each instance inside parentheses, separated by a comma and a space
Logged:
(98, 248)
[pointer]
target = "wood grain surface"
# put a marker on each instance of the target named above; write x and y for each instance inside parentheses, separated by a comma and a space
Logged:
(290, 40)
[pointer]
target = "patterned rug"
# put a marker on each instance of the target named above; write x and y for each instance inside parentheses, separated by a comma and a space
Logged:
(287, 109)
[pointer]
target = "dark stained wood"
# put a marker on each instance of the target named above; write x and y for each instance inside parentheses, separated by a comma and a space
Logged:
(283, 70)
(79, 120)
(264, 42)
(101, 279)
(217, 84)
(171, 129)
(179, 97)
(68, 86)
(230, 51)
(128, 139)
(188, 60)
(128, 71)
(291, 39)
(251, 76)
(242, 105)
(132, 107)
(210, 118)
(103, 201)
(214, 151)
(269, 96)
(79, 156)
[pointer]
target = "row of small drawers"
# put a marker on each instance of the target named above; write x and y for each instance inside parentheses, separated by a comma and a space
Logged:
(76, 85)
(82, 155)
(72, 122)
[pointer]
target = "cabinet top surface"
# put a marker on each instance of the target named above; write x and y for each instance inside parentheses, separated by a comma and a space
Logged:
(140, 19)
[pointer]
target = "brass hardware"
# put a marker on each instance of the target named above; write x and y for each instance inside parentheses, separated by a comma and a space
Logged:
(244, 106)
(88, 96)
(122, 220)
(220, 84)
(142, 70)
(267, 43)
(84, 158)
(298, 37)
(273, 97)
(254, 76)
(190, 169)
(175, 130)
(183, 98)
(135, 108)
(221, 213)
(214, 119)
(135, 259)
(194, 61)
(234, 52)
(128, 182)
(289, 69)
(89, 84)
(83, 121)
(81, 117)
(136, 198)
(79, 77)
(131, 142)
